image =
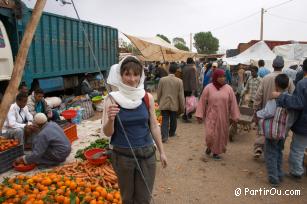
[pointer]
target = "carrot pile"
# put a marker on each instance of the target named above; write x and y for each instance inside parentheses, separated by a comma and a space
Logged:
(103, 174)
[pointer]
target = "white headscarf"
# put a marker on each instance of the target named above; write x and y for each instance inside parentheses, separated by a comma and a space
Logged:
(127, 97)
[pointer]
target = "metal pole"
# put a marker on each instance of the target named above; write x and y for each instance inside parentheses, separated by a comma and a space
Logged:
(162, 54)
(191, 42)
(261, 24)
(11, 90)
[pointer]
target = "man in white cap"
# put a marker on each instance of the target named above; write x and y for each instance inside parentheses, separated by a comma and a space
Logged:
(50, 145)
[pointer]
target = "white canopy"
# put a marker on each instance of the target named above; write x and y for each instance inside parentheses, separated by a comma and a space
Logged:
(294, 52)
(156, 49)
(254, 53)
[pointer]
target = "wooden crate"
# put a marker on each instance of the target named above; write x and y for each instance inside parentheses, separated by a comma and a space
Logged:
(71, 132)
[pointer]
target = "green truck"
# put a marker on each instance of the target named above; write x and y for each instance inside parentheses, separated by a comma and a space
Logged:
(59, 54)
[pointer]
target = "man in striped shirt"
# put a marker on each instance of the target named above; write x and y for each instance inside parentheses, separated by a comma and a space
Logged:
(252, 86)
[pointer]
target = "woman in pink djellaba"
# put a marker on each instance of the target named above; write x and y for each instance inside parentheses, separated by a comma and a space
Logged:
(217, 107)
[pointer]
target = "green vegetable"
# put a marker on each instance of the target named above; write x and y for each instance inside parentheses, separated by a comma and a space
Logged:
(158, 112)
(72, 198)
(2, 199)
(23, 199)
(6, 182)
(100, 143)
(48, 199)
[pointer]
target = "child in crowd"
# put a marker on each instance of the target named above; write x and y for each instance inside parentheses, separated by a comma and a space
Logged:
(272, 122)
(297, 102)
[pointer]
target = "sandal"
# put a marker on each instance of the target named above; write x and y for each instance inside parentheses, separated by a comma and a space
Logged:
(216, 157)
(208, 151)
(257, 154)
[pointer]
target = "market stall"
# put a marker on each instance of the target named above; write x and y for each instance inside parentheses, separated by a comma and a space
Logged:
(156, 49)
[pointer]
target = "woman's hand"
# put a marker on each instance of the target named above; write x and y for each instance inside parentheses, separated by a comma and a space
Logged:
(163, 160)
(112, 111)
(234, 121)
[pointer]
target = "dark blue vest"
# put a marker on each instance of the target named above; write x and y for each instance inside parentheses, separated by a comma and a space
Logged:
(135, 122)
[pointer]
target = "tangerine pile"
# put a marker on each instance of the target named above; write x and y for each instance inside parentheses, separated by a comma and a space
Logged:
(158, 113)
(54, 188)
(6, 144)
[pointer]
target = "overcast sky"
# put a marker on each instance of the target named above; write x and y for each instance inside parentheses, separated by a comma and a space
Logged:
(178, 18)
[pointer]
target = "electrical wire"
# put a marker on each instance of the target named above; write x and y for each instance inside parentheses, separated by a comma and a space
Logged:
(278, 5)
(247, 17)
(236, 21)
(225, 25)
(117, 117)
(286, 18)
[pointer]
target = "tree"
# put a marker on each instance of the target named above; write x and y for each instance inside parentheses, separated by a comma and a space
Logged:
(181, 46)
(178, 40)
(128, 47)
(163, 37)
(206, 43)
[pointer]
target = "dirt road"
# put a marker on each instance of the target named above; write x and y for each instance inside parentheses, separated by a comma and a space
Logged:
(192, 177)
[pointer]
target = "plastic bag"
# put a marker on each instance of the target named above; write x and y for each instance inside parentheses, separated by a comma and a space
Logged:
(190, 104)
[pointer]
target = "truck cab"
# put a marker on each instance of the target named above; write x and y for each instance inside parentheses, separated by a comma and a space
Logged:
(6, 57)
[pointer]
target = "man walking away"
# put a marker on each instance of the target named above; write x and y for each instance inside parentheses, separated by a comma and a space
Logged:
(262, 72)
(189, 83)
(170, 97)
(264, 93)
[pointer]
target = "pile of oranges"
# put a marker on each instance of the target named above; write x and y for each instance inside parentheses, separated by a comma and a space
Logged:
(6, 144)
(159, 119)
(158, 113)
(54, 188)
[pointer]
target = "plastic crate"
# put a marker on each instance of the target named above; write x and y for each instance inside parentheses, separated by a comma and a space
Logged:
(8, 157)
(71, 132)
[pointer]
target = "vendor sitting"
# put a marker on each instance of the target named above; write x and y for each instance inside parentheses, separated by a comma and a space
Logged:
(37, 104)
(86, 88)
(50, 145)
(18, 121)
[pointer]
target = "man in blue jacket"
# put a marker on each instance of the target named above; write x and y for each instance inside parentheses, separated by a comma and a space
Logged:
(50, 145)
(298, 102)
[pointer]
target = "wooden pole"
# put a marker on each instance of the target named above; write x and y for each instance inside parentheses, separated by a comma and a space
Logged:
(11, 90)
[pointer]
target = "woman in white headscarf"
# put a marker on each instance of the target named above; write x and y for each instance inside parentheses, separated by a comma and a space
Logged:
(140, 130)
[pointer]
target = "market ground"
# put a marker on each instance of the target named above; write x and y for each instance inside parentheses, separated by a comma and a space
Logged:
(192, 177)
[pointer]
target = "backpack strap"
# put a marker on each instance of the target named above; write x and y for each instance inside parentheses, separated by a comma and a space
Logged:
(146, 100)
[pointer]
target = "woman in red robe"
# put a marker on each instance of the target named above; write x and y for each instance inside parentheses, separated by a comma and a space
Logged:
(216, 107)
